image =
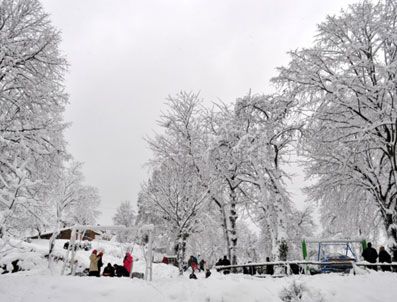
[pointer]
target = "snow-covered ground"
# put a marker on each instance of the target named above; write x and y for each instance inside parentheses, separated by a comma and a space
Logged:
(37, 284)
(33, 261)
(370, 287)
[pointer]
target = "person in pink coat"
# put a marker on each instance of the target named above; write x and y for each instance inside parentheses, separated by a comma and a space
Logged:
(128, 260)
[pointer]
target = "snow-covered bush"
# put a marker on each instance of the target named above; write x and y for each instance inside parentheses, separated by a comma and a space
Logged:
(296, 291)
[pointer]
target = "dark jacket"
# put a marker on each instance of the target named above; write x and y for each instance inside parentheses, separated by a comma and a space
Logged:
(108, 271)
(385, 257)
(225, 261)
(120, 271)
(370, 254)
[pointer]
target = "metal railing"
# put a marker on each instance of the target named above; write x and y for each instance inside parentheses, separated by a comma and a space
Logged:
(305, 263)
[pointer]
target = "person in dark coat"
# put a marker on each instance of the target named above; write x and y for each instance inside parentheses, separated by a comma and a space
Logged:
(270, 267)
(225, 261)
(100, 263)
(384, 256)
(120, 271)
(370, 255)
(108, 271)
(201, 264)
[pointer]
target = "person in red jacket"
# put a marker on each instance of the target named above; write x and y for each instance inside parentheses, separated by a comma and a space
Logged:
(128, 260)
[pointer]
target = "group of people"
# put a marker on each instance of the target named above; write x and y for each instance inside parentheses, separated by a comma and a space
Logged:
(249, 270)
(110, 270)
(198, 264)
(371, 255)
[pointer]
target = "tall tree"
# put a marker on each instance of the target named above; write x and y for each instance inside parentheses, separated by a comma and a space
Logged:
(173, 194)
(32, 101)
(346, 83)
(267, 131)
(225, 161)
(174, 188)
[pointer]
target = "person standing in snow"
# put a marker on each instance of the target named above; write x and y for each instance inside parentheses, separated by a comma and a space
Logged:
(202, 264)
(198, 259)
(384, 256)
(370, 255)
(206, 268)
(127, 262)
(226, 261)
(100, 262)
(270, 267)
(192, 262)
(93, 270)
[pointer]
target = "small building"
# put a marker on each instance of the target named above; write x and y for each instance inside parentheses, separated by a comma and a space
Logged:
(66, 233)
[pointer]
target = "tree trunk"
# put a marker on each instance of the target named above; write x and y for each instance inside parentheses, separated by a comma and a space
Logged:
(233, 232)
(53, 238)
(390, 221)
(225, 230)
(181, 251)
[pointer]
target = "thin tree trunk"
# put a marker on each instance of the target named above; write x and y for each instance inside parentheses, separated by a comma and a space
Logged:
(181, 251)
(226, 231)
(52, 240)
(233, 232)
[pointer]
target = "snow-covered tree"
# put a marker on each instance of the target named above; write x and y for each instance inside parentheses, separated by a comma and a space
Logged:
(32, 101)
(346, 83)
(175, 191)
(225, 161)
(174, 195)
(267, 132)
(125, 215)
(72, 201)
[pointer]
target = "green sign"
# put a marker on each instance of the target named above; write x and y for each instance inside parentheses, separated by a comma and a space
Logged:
(304, 249)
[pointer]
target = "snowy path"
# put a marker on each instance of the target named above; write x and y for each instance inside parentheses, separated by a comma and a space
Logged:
(328, 288)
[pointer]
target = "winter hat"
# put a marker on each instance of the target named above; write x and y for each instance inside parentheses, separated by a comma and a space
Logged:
(94, 252)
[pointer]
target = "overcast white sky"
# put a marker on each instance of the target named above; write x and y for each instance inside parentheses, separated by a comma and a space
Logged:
(127, 56)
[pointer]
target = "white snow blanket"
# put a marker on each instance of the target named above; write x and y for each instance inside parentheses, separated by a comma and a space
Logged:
(371, 287)
(37, 284)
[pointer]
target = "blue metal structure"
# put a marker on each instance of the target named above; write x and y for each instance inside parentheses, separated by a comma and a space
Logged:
(338, 260)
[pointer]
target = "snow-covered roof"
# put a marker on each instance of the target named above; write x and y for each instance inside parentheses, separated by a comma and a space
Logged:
(64, 229)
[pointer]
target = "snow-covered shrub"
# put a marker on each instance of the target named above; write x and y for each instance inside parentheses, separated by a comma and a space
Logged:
(297, 291)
